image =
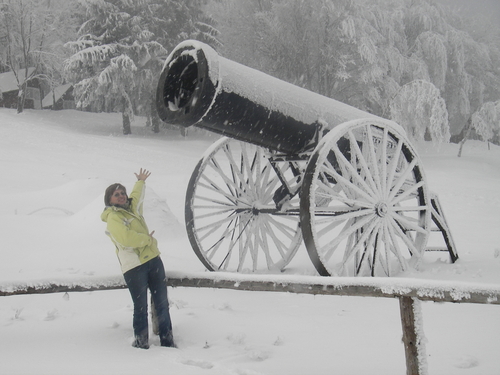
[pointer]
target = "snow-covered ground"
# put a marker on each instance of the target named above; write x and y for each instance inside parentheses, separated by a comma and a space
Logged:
(54, 169)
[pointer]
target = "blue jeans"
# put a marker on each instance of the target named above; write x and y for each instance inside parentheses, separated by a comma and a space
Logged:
(149, 275)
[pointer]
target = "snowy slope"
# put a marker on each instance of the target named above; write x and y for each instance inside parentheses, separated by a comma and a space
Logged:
(55, 167)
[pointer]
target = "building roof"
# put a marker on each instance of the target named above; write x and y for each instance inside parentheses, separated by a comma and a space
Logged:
(8, 80)
(58, 92)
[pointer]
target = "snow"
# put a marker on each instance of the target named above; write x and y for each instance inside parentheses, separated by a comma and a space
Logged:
(8, 81)
(55, 166)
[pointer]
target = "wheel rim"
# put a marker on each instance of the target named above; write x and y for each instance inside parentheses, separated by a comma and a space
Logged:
(365, 207)
(231, 217)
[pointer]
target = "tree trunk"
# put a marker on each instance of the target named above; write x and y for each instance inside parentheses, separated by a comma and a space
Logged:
(126, 124)
(467, 130)
(54, 99)
(21, 97)
(155, 119)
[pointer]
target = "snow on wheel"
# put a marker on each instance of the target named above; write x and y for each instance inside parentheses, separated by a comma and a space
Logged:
(365, 205)
(238, 217)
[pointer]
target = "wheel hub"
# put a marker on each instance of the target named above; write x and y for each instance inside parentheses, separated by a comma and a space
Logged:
(381, 209)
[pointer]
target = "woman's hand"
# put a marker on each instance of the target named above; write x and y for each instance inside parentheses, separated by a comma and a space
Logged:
(143, 174)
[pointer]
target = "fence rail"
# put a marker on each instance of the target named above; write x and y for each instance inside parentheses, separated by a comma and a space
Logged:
(424, 290)
(409, 292)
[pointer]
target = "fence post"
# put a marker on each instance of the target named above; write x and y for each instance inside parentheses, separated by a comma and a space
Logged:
(413, 340)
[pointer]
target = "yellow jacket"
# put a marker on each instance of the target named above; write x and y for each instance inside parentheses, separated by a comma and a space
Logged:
(129, 232)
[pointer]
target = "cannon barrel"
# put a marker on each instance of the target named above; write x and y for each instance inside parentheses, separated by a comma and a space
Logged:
(199, 87)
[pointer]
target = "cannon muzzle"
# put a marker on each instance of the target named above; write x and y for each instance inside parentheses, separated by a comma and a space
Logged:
(199, 87)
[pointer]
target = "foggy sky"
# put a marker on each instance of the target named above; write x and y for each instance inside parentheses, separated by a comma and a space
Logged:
(489, 8)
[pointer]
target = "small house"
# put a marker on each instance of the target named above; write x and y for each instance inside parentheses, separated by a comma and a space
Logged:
(9, 89)
(60, 97)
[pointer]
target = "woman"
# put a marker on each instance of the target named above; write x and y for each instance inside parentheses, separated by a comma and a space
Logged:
(139, 257)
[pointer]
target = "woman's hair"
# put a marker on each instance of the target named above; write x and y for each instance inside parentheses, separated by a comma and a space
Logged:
(110, 190)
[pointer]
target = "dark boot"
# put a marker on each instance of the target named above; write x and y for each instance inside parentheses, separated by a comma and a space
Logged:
(141, 342)
(168, 340)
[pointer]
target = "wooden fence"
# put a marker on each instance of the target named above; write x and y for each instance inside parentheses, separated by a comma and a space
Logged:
(409, 292)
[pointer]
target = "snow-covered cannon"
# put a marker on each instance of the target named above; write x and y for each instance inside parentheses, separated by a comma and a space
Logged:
(294, 165)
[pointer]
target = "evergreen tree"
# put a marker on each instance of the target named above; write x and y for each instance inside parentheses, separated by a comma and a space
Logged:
(117, 59)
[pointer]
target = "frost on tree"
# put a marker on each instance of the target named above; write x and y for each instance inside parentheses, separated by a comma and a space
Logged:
(430, 47)
(485, 121)
(421, 110)
(120, 51)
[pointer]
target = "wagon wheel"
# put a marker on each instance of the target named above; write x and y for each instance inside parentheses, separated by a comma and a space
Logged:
(232, 220)
(365, 206)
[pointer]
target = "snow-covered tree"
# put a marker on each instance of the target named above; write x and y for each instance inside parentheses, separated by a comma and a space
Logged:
(363, 51)
(437, 48)
(421, 110)
(32, 33)
(117, 59)
(327, 47)
(485, 122)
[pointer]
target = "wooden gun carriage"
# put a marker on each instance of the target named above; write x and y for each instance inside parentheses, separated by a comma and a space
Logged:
(293, 166)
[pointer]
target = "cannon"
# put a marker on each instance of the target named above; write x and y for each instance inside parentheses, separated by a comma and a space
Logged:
(294, 167)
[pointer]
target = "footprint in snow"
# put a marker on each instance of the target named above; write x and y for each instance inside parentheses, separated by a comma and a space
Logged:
(237, 339)
(51, 315)
(258, 355)
(17, 314)
(201, 364)
(278, 342)
(244, 371)
(180, 304)
(466, 361)
(224, 307)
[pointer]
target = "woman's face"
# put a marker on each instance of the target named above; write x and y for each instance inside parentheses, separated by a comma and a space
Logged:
(119, 197)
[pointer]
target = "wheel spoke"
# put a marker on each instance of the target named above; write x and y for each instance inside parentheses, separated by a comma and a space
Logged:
(234, 191)
(402, 179)
(211, 228)
(352, 175)
(349, 187)
(374, 162)
(411, 192)
(280, 246)
(364, 241)
(347, 232)
(213, 211)
(380, 252)
(393, 166)
(332, 193)
(335, 218)
(405, 237)
(359, 158)
(383, 162)
(264, 244)
(392, 245)
(230, 229)
(408, 223)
